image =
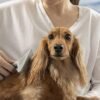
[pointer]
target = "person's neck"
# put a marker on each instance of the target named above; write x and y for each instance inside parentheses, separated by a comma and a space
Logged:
(57, 6)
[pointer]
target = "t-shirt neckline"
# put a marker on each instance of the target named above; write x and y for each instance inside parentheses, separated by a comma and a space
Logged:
(49, 20)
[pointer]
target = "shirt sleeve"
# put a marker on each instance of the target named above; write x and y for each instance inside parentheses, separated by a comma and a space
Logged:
(95, 80)
(14, 28)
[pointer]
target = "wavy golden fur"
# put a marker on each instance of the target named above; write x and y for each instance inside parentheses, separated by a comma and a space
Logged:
(54, 72)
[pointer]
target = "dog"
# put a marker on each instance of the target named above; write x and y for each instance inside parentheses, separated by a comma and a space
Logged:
(53, 72)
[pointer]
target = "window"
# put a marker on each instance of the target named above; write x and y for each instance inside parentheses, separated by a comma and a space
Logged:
(94, 4)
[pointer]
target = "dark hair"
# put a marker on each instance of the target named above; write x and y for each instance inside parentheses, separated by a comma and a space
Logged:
(75, 2)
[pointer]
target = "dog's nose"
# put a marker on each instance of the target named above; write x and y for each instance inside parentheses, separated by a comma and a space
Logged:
(58, 48)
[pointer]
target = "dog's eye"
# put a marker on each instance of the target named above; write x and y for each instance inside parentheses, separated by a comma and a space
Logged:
(51, 36)
(67, 36)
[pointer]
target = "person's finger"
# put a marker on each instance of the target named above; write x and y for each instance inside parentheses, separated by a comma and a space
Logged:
(1, 77)
(3, 55)
(4, 72)
(7, 66)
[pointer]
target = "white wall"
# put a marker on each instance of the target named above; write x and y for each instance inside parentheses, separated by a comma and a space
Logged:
(3, 0)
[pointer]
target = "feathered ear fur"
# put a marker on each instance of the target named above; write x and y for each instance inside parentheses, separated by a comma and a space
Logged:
(39, 62)
(76, 57)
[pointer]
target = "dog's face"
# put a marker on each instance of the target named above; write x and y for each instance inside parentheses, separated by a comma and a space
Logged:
(59, 42)
(58, 45)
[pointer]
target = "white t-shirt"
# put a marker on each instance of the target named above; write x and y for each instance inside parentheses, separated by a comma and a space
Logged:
(24, 23)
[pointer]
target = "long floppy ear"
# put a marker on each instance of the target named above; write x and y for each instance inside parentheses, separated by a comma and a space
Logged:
(76, 56)
(39, 62)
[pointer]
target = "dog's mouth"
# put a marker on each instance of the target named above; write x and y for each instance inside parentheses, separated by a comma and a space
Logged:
(58, 57)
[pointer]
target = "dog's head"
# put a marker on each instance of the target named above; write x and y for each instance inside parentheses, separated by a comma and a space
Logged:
(60, 42)
(59, 45)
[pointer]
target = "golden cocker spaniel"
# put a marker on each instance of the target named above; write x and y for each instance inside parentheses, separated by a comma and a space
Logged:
(53, 73)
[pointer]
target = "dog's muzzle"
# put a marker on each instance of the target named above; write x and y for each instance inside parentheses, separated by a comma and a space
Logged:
(58, 49)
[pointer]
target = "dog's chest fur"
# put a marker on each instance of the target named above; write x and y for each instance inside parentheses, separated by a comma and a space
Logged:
(56, 85)
(47, 90)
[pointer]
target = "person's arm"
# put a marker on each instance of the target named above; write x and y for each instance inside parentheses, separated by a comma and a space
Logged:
(6, 64)
(95, 81)
(94, 92)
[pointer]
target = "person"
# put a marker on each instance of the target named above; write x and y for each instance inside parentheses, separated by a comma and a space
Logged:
(24, 22)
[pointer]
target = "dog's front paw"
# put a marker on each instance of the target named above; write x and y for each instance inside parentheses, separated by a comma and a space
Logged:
(87, 98)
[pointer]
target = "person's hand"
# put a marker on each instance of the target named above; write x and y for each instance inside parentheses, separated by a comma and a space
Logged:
(6, 66)
(88, 98)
